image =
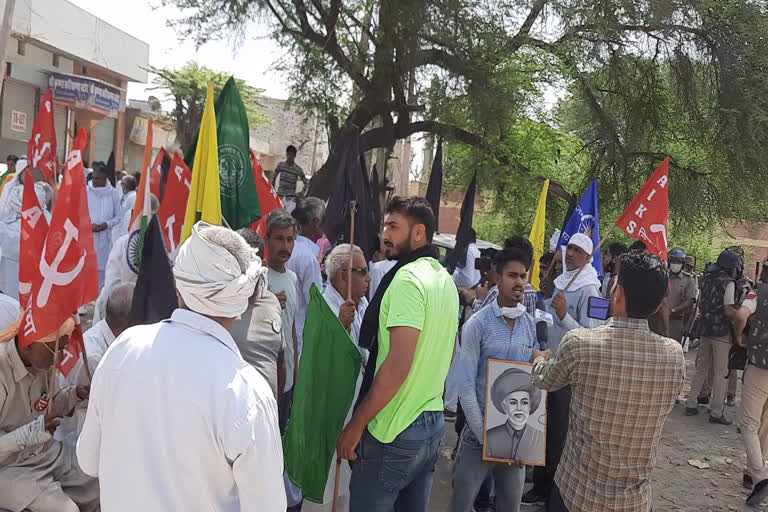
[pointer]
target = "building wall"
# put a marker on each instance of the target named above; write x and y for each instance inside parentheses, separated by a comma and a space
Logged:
(74, 31)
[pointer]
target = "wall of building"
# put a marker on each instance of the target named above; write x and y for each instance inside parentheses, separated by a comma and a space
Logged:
(74, 31)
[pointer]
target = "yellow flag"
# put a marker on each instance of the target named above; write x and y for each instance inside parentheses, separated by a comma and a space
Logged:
(204, 201)
(537, 234)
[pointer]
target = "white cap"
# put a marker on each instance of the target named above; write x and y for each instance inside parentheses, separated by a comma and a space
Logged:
(582, 241)
(21, 164)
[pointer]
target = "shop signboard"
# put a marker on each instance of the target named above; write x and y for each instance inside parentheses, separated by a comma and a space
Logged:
(85, 93)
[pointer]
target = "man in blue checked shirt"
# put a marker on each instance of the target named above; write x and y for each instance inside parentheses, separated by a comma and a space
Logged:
(502, 330)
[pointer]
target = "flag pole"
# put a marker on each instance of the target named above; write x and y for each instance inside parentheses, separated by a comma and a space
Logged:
(83, 353)
(52, 378)
(594, 251)
(336, 485)
(352, 210)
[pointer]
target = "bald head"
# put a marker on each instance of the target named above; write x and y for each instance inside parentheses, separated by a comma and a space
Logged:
(118, 311)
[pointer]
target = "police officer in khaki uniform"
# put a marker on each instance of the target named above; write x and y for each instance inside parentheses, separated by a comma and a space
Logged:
(682, 294)
(37, 473)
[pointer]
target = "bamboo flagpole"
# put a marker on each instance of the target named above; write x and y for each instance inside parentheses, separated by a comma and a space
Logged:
(352, 211)
(52, 378)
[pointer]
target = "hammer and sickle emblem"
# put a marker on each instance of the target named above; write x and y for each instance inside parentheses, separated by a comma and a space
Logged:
(51, 275)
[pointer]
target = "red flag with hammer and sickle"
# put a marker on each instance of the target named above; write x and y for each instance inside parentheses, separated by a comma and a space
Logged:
(34, 229)
(156, 173)
(647, 216)
(68, 266)
(41, 148)
(72, 353)
(174, 205)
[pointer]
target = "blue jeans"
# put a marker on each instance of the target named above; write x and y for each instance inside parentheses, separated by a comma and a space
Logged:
(397, 476)
(470, 470)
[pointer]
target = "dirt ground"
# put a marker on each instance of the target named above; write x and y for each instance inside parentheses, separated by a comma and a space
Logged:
(677, 486)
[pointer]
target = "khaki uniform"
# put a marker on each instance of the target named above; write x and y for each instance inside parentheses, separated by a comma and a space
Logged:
(44, 477)
(682, 287)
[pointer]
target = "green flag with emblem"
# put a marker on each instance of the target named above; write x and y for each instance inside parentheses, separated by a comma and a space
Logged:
(239, 196)
(325, 388)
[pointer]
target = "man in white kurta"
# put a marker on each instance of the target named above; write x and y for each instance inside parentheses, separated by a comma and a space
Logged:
(177, 420)
(10, 232)
(119, 268)
(37, 473)
(308, 213)
(104, 207)
(351, 313)
(97, 340)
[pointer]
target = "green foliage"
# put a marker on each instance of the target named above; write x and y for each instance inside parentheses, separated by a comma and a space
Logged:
(187, 88)
(636, 81)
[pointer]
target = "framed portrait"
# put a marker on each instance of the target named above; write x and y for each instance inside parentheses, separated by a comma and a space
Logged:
(515, 415)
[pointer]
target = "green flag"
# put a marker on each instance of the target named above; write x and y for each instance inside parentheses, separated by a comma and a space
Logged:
(330, 365)
(239, 196)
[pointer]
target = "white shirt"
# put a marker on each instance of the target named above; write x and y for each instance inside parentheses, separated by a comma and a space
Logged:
(177, 420)
(286, 282)
(303, 263)
(104, 206)
(335, 300)
(468, 276)
(97, 340)
(378, 271)
(117, 272)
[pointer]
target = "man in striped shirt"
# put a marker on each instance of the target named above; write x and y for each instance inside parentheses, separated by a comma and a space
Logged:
(624, 381)
(290, 173)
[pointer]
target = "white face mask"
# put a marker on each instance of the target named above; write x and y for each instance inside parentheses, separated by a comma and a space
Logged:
(513, 312)
(675, 267)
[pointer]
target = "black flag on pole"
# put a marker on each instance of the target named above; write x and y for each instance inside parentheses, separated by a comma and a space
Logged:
(351, 185)
(435, 186)
(154, 297)
(458, 257)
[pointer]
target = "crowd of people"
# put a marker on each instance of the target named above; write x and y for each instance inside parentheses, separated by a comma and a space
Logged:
(188, 413)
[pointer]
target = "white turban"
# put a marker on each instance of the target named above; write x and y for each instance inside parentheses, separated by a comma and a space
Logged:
(21, 164)
(209, 279)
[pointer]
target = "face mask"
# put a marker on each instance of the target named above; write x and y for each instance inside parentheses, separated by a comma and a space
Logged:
(675, 267)
(513, 312)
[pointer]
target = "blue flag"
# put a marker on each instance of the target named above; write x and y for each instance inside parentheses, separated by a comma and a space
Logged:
(585, 219)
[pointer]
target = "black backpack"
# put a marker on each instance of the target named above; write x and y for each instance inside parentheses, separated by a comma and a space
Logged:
(757, 330)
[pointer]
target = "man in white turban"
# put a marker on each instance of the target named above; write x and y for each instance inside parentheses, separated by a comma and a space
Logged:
(37, 473)
(175, 406)
(10, 225)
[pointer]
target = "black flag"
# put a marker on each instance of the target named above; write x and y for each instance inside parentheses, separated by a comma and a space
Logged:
(458, 257)
(351, 185)
(435, 186)
(373, 201)
(154, 297)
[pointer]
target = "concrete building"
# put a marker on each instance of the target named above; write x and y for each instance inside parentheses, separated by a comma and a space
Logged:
(86, 61)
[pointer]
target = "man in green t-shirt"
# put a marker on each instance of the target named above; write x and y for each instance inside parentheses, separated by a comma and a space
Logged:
(394, 436)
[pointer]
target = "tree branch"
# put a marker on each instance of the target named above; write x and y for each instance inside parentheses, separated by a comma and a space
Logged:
(386, 136)
(525, 29)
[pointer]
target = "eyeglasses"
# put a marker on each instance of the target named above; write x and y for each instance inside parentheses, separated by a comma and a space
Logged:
(363, 271)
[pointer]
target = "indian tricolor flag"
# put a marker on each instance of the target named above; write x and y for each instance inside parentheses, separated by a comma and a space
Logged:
(141, 210)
